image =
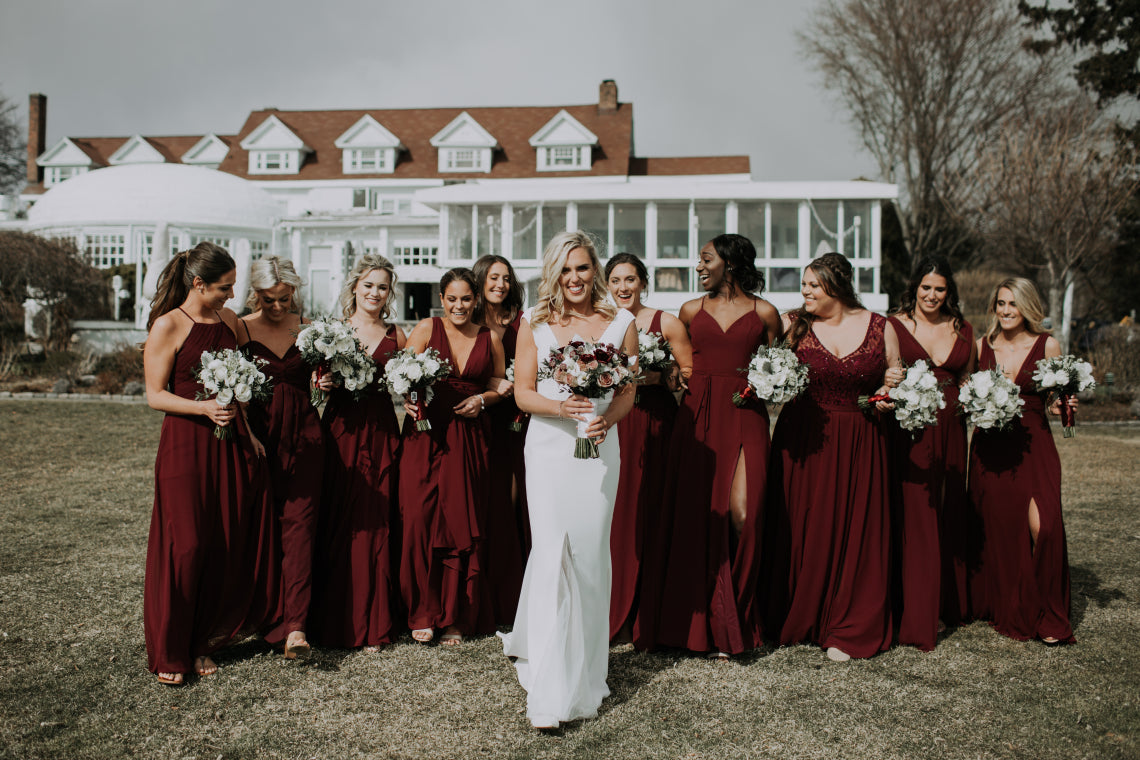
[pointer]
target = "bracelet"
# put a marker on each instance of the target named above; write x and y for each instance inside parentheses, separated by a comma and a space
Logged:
(482, 403)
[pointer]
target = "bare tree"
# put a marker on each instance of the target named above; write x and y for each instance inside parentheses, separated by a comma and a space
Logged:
(1054, 189)
(927, 83)
(12, 147)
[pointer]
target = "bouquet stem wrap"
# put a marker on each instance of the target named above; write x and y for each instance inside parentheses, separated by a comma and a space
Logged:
(517, 422)
(422, 422)
(317, 396)
(1068, 416)
(584, 446)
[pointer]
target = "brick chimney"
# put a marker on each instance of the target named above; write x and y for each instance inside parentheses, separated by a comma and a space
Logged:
(37, 135)
(607, 96)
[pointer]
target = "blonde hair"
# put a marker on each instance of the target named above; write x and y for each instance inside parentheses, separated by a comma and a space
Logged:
(1026, 299)
(365, 264)
(268, 273)
(550, 306)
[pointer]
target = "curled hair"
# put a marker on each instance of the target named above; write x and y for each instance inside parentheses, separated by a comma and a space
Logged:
(206, 261)
(269, 273)
(512, 304)
(1025, 298)
(550, 306)
(628, 258)
(933, 264)
(837, 278)
(363, 266)
(458, 274)
(739, 257)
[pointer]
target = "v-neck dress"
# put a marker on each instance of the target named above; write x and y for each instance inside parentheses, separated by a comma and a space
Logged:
(827, 536)
(1021, 588)
(929, 508)
(444, 489)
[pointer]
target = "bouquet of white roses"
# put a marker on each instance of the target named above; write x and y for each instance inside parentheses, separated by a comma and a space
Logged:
(591, 370)
(917, 398)
(407, 373)
(332, 346)
(228, 376)
(654, 354)
(775, 374)
(990, 400)
(519, 420)
(1066, 376)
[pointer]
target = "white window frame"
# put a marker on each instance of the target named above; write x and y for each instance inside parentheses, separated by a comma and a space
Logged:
(57, 174)
(365, 160)
(560, 158)
(106, 249)
(286, 160)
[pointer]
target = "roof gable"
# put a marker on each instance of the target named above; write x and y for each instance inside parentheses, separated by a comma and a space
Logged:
(563, 129)
(368, 133)
(211, 149)
(464, 132)
(65, 153)
(272, 134)
(136, 151)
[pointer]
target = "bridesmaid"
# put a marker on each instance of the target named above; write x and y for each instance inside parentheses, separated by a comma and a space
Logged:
(445, 474)
(1022, 584)
(355, 589)
(498, 307)
(929, 506)
(291, 430)
(644, 441)
(718, 464)
(210, 571)
(827, 534)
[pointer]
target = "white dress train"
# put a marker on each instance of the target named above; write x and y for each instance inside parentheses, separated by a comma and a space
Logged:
(561, 632)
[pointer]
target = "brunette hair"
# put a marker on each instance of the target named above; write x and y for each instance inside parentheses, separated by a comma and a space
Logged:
(1025, 298)
(206, 261)
(512, 304)
(550, 305)
(933, 264)
(270, 272)
(739, 256)
(363, 266)
(628, 258)
(837, 278)
(460, 274)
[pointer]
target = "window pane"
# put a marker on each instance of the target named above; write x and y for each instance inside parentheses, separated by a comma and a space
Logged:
(710, 221)
(490, 230)
(553, 221)
(593, 218)
(673, 230)
(865, 280)
(671, 279)
(785, 231)
(525, 243)
(824, 223)
(629, 228)
(750, 223)
(459, 232)
(784, 280)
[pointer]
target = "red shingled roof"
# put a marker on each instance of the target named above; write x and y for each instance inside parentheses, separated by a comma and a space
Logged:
(100, 149)
(642, 167)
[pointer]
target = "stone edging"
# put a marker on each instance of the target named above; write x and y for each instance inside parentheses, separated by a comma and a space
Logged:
(37, 396)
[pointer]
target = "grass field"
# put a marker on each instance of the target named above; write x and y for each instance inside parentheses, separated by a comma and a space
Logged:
(75, 499)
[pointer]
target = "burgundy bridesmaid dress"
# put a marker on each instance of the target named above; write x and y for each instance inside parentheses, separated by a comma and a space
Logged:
(444, 490)
(211, 570)
(643, 439)
(291, 430)
(507, 526)
(929, 511)
(356, 597)
(708, 599)
(828, 528)
(1021, 587)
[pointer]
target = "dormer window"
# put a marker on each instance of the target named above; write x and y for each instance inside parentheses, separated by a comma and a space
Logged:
(462, 159)
(368, 148)
(207, 152)
(364, 160)
(64, 160)
(270, 161)
(53, 175)
(464, 146)
(274, 148)
(565, 157)
(563, 144)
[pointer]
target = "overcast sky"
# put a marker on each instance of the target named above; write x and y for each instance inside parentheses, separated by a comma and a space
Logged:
(706, 78)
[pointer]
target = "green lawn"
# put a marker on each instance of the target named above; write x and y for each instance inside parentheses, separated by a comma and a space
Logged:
(74, 512)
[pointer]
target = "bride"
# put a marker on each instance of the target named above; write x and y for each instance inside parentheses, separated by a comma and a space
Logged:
(561, 634)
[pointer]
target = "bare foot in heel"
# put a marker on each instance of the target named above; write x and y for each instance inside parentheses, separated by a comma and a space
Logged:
(297, 646)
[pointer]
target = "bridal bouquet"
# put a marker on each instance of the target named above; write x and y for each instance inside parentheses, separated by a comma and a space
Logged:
(407, 374)
(990, 400)
(775, 374)
(228, 376)
(917, 398)
(332, 346)
(591, 370)
(1066, 376)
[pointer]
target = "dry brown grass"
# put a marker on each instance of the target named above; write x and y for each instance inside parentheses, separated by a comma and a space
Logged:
(74, 514)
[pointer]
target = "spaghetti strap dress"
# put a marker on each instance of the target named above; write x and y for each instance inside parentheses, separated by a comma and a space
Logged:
(929, 511)
(708, 599)
(828, 529)
(290, 428)
(644, 434)
(356, 599)
(507, 529)
(444, 489)
(1022, 588)
(211, 570)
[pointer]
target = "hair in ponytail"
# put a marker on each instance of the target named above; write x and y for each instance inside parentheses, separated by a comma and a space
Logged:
(837, 278)
(205, 261)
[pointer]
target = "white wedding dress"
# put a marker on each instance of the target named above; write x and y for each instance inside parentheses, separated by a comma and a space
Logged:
(562, 630)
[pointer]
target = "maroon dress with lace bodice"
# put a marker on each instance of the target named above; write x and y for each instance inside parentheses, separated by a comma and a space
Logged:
(929, 512)
(211, 574)
(444, 487)
(828, 531)
(708, 599)
(356, 599)
(507, 526)
(1021, 587)
(291, 430)
(643, 438)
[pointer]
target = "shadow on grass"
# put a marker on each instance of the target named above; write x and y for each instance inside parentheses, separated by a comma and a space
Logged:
(321, 659)
(1086, 587)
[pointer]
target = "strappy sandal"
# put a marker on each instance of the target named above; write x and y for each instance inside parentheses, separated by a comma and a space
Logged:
(423, 635)
(297, 649)
(170, 679)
